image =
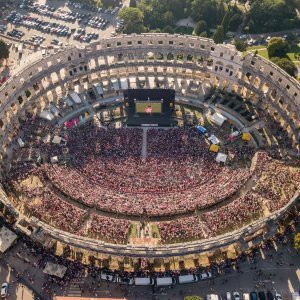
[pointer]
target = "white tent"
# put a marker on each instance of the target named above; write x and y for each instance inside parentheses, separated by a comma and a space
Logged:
(56, 139)
(115, 84)
(54, 159)
(124, 83)
(187, 279)
(221, 157)
(97, 88)
(55, 269)
(143, 281)
(47, 115)
(214, 140)
(74, 96)
(21, 143)
(164, 281)
(218, 119)
(67, 100)
(7, 237)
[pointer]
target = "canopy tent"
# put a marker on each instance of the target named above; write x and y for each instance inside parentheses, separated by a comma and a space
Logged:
(47, 115)
(221, 157)
(67, 100)
(187, 279)
(203, 260)
(75, 97)
(164, 281)
(98, 89)
(115, 84)
(246, 136)
(55, 270)
(57, 139)
(214, 140)
(234, 135)
(124, 83)
(201, 129)
(54, 159)
(218, 119)
(21, 143)
(7, 237)
(214, 148)
(143, 281)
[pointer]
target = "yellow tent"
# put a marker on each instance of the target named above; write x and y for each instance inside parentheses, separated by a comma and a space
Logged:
(246, 136)
(214, 148)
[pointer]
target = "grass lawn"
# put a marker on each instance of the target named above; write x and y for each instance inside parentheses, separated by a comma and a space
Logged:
(262, 51)
(184, 30)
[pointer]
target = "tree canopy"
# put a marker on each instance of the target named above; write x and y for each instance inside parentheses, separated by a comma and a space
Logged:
(297, 242)
(285, 64)
(4, 51)
(278, 47)
(265, 15)
(133, 18)
(219, 35)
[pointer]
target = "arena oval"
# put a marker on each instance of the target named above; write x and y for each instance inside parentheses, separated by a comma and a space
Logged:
(191, 59)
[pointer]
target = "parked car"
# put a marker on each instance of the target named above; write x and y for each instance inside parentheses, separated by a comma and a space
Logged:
(4, 289)
(253, 296)
(278, 296)
(262, 295)
(236, 296)
(270, 295)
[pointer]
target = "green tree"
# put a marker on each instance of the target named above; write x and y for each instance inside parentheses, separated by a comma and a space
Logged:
(240, 45)
(168, 29)
(285, 64)
(131, 14)
(203, 34)
(235, 22)
(219, 35)
(266, 14)
(277, 47)
(225, 21)
(200, 27)
(297, 242)
(133, 18)
(132, 3)
(4, 51)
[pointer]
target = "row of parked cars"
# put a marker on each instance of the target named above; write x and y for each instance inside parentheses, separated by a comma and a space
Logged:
(15, 33)
(2, 28)
(261, 295)
(37, 24)
(67, 16)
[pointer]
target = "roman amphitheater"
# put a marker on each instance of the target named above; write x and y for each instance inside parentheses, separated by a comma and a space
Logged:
(75, 177)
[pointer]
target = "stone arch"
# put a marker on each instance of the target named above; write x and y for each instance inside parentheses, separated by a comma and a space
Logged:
(170, 56)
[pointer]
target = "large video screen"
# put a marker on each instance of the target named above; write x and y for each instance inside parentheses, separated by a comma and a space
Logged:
(147, 107)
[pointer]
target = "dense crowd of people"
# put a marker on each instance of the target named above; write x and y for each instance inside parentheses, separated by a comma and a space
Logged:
(103, 169)
(110, 229)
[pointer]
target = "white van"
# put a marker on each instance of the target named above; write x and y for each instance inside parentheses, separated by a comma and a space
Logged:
(246, 296)
(228, 296)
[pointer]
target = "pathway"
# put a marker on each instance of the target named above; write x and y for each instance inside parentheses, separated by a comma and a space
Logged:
(144, 146)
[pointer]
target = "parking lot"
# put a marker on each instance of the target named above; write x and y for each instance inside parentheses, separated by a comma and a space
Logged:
(59, 23)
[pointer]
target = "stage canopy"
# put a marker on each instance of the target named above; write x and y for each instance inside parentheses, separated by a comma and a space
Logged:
(218, 119)
(221, 157)
(55, 270)
(7, 237)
